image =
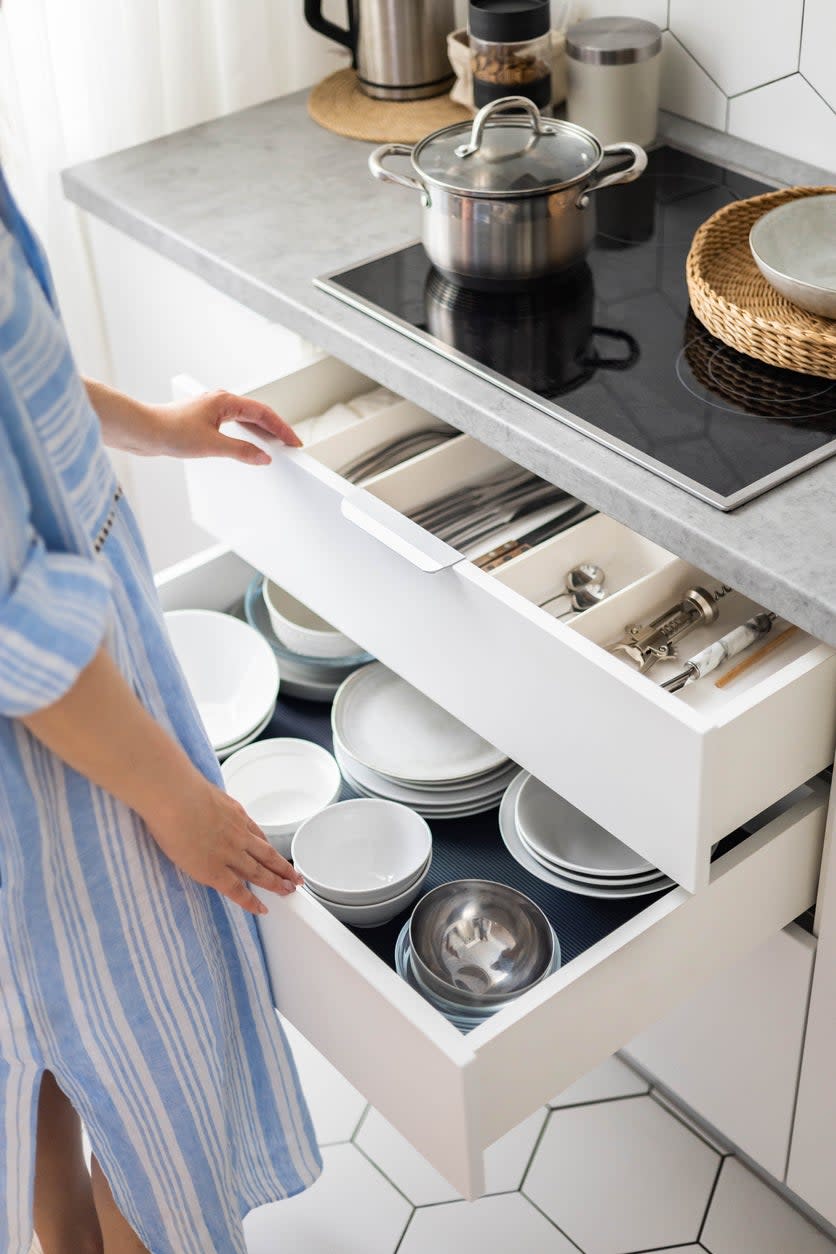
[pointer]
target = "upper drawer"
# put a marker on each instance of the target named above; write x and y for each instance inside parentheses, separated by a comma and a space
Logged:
(669, 774)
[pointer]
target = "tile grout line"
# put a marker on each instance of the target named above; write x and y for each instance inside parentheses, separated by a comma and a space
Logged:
(697, 62)
(549, 1220)
(407, 1226)
(662, 1249)
(360, 1122)
(602, 1101)
(383, 1174)
(815, 89)
(680, 1117)
(769, 83)
(533, 1153)
(801, 36)
(708, 1204)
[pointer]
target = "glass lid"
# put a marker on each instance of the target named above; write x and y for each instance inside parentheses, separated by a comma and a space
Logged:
(503, 154)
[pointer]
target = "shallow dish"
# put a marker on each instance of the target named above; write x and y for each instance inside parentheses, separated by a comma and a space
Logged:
(300, 629)
(281, 783)
(230, 668)
(378, 913)
(794, 247)
(476, 943)
(228, 750)
(361, 852)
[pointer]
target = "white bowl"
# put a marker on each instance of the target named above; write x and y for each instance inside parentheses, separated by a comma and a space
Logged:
(282, 782)
(337, 900)
(377, 914)
(300, 629)
(230, 668)
(794, 247)
(361, 852)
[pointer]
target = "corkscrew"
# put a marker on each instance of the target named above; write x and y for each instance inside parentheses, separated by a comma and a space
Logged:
(656, 641)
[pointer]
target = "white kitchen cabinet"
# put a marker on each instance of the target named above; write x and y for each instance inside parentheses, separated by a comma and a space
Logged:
(453, 1095)
(670, 774)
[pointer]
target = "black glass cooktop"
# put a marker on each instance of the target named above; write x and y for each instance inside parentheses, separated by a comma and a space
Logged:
(613, 348)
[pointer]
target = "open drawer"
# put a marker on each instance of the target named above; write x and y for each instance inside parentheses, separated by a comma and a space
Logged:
(453, 1095)
(669, 774)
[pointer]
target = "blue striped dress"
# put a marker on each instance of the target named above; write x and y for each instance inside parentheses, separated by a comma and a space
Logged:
(143, 992)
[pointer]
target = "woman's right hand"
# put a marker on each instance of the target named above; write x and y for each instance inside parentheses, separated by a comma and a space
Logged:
(212, 838)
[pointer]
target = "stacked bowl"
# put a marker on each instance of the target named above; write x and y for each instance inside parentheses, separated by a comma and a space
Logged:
(281, 783)
(231, 671)
(364, 860)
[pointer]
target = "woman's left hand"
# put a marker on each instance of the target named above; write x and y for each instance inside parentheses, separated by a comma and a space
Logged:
(193, 428)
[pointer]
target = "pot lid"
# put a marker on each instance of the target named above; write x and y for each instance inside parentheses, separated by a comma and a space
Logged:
(503, 154)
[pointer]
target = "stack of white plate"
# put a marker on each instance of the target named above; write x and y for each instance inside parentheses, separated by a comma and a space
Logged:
(563, 847)
(393, 742)
(231, 671)
(313, 678)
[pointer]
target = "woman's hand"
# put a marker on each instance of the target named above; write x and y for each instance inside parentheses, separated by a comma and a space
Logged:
(193, 428)
(212, 838)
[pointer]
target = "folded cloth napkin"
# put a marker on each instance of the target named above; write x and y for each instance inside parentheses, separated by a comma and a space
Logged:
(340, 416)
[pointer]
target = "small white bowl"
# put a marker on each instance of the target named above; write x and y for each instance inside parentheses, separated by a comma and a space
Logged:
(362, 852)
(377, 914)
(281, 783)
(300, 629)
(230, 668)
(337, 900)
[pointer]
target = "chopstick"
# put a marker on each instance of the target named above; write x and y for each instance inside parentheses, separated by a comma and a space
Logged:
(755, 657)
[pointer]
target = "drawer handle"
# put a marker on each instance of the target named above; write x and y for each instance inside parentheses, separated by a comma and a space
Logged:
(401, 535)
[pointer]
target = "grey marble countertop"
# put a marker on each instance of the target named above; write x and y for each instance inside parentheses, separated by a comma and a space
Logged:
(261, 202)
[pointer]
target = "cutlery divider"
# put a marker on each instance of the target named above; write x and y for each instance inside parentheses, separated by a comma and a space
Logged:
(367, 434)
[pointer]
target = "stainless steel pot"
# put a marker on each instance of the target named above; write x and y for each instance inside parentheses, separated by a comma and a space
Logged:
(508, 201)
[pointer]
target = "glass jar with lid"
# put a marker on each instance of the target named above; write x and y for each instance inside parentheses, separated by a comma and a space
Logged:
(510, 50)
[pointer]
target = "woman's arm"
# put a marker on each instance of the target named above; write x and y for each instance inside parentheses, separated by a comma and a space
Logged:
(102, 730)
(185, 429)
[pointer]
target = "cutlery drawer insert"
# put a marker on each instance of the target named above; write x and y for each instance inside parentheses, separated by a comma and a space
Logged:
(627, 964)
(669, 774)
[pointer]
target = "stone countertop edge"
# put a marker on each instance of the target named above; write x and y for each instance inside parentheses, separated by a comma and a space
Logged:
(779, 549)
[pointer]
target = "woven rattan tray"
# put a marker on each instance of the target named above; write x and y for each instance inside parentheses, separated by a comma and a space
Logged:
(733, 300)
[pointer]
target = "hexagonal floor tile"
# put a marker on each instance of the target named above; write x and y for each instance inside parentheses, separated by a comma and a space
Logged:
(818, 39)
(612, 1079)
(350, 1210)
(505, 1161)
(492, 1225)
(746, 1217)
(733, 43)
(335, 1105)
(622, 1176)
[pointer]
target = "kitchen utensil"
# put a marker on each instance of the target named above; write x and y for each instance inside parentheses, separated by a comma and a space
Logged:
(510, 50)
(580, 576)
(538, 535)
(794, 247)
(463, 500)
(361, 852)
(300, 629)
(378, 913)
(584, 599)
(393, 453)
(476, 942)
(391, 727)
(754, 658)
(714, 655)
(475, 530)
(280, 783)
(613, 66)
(231, 670)
(399, 50)
(510, 201)
(646, 645)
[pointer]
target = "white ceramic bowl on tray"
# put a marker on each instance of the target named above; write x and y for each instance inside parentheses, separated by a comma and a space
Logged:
(361, 852)
(378, 913)
(794, 247)
(281, 783)
(300, 629)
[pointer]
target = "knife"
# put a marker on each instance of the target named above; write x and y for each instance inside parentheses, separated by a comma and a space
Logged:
(546, 531)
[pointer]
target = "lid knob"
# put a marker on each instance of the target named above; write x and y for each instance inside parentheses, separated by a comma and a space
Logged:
(507, 102)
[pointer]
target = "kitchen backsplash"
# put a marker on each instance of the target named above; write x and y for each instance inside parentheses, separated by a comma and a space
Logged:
(763, 70)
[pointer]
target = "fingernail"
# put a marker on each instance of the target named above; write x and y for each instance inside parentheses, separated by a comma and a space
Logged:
(291, 886)
(262, 459)
(262, 909)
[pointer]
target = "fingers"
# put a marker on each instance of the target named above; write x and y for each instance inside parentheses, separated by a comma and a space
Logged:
(254, 871)
(264, 853)
(243, 451)
(236, 890)
(243, 409)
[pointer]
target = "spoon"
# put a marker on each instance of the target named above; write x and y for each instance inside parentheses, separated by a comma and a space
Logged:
(579, 577)
(584, 599)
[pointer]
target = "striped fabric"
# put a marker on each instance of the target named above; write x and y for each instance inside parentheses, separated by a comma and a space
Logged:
(143, 992)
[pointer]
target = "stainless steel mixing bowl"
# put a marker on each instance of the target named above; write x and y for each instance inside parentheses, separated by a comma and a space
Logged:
(477, 943)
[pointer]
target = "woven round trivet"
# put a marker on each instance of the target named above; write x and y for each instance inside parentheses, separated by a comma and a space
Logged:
(733, 300)
(338, 104)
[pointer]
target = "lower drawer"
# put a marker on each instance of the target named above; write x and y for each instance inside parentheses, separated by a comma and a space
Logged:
(453, 1095)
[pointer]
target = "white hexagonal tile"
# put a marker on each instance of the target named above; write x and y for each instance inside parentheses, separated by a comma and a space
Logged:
(505, 1161)
(350, 1210)
(651, 10)
(686, 89)
(335, 1105)
(788, 117)
(746, 1217)
(739, 43)
(612, 1079)
(818, 40)
(622, 1176)
(493, 1225)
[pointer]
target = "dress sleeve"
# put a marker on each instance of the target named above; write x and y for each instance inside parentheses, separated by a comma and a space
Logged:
(54, 607)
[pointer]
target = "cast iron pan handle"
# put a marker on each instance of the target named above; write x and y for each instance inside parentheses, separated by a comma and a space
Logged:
(314, 18)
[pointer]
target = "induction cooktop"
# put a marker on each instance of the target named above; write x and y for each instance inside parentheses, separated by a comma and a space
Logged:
(613, 349)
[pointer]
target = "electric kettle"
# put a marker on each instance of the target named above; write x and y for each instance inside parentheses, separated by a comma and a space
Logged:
(398, 47)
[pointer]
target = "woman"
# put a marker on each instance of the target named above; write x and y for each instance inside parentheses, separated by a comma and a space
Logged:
(133, 991)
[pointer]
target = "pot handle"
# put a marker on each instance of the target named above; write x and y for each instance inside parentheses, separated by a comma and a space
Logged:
(506, 102)
(379, 170)
(618, 176)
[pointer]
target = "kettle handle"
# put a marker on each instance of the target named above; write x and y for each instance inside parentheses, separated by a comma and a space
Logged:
(633, 171)
(346, 37)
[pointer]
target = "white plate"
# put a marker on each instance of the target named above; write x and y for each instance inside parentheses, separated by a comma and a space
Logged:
(228, 750)
(563, 835)
(622, 881)
(230, 668)
(499, 776)
(512, 842)
(391, 727)
(281, 782)
(429, 812)
(449, 799)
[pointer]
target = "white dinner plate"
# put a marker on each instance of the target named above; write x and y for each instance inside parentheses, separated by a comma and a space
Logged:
(448, 799)
(391, 727)
(564, 836)
(622, 881)
(428, 811)
(510, 836)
